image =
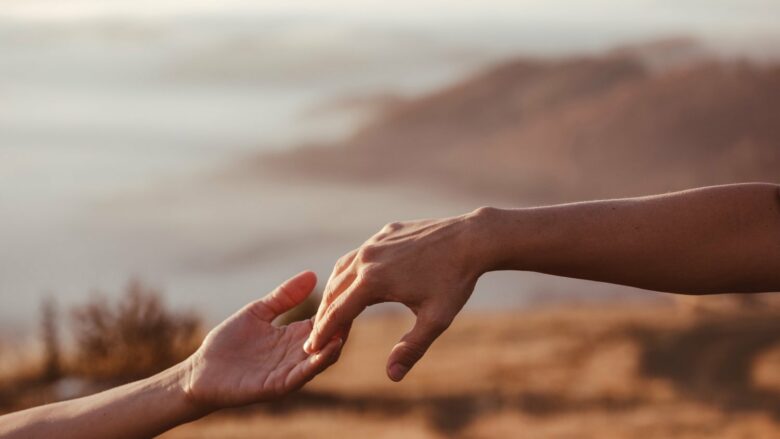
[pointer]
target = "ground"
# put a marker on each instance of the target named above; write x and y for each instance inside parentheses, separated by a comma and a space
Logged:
(653, 372)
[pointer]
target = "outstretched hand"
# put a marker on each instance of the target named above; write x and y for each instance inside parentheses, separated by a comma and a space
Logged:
(246, 359)
(426, 265)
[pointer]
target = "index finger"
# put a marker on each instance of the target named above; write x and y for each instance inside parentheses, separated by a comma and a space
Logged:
(336, 282)
(338, 316)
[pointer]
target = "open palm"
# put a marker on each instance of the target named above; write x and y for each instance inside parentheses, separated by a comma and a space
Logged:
(246, 359)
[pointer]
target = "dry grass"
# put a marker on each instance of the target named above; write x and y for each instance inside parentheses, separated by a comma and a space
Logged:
(652, 373)
(133, 338)
(663, 372)
(114, 342)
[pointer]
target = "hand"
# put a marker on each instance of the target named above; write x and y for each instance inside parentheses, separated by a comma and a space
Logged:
(246, 359)
(426, 265)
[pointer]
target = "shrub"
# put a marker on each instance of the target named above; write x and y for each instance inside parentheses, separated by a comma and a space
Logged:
(50, 338)
(136, 337)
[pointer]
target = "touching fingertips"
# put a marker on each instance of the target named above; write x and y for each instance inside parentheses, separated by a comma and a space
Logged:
(318, 339)
(312, 345)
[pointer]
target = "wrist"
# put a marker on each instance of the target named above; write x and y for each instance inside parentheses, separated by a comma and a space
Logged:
(509, 239)
(485, 225)
(179, 379)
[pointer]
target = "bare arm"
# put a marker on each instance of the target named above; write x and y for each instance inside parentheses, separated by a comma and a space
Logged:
(137, 410)
(712, 240)
(243, 360)
(709, 240)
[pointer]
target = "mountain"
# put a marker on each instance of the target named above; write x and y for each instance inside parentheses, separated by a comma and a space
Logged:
(554, 130)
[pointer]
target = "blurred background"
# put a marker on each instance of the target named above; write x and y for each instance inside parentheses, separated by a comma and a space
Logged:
(164, 162)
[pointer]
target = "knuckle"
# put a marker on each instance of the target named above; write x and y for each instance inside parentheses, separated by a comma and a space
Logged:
(392, 227)
(369, 253)
(376, 238)
(369, 274)
(484, 210)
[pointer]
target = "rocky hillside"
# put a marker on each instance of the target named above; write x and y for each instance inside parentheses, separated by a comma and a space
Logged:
(572, 128)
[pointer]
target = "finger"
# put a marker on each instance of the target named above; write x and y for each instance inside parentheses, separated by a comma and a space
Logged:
(335, 282)
(333, 290)
(285, 297)
(415, 343)
(388, 230)
(307, 369)
(343, 262)
(338, 317)
(343, 334)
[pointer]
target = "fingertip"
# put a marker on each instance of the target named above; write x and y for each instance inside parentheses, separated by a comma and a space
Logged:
(315, 339)
(295, 289)
(307, 279)
(312, 345)
(397, 371)
(322, 356)
(309, 346)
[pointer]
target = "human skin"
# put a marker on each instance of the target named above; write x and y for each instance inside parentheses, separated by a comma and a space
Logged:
(723, 239)
(243, 360)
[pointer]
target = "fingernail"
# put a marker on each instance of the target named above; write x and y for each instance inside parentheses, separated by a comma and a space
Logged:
(398, 371)
(307, 346)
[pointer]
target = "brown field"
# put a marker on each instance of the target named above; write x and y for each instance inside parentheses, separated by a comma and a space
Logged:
(658, 372)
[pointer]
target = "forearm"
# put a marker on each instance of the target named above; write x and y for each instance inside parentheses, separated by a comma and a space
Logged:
(709, 240)
(140, 409)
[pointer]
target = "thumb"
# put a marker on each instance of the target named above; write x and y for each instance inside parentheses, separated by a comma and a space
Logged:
(415, 343)
(285, 297)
